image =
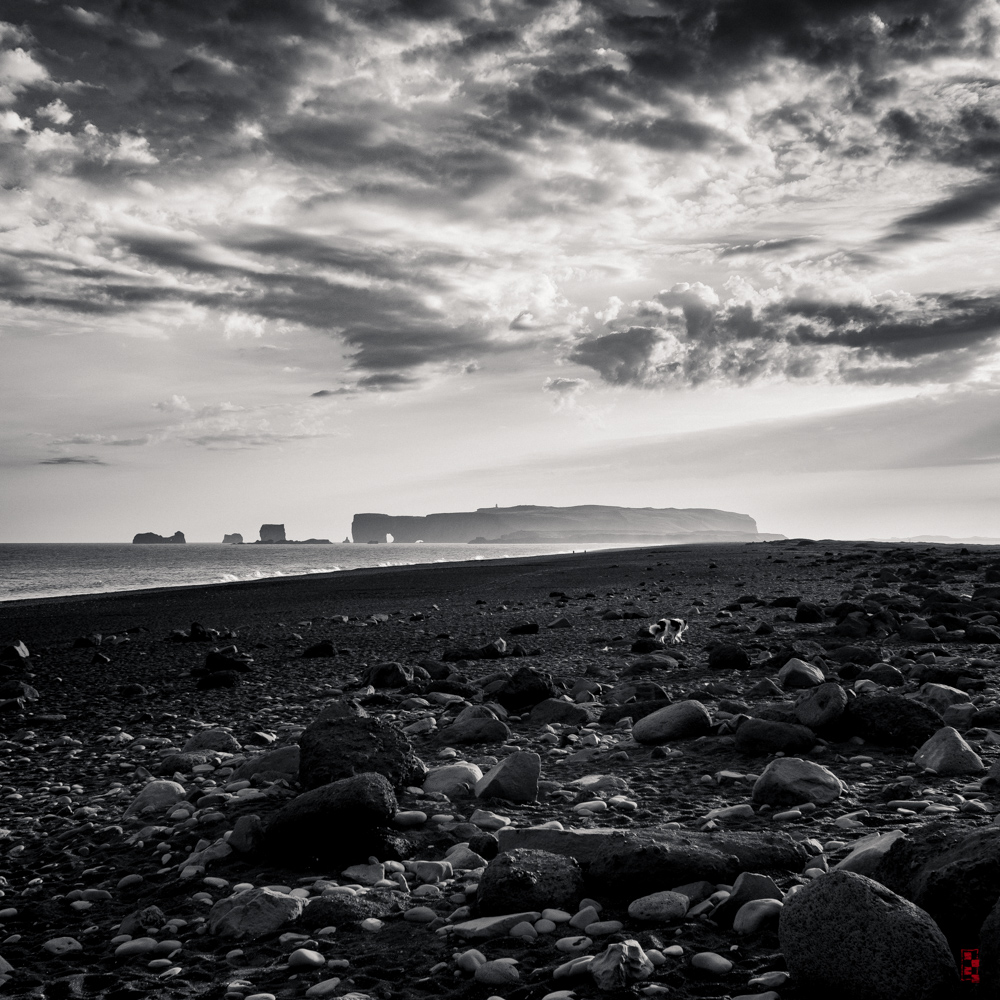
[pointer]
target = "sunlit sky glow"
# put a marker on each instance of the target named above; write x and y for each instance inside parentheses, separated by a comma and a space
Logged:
(287, 260)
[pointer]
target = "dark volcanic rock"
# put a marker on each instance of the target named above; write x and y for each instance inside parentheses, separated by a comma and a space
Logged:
(760, 736)
(847, 935)
(335, 746)
(339, 823)
(343, 909)
(525, 689)
(891, 720)
(388, 675)
(729, 657)
(807, 613)
(319, 649)
(959, 885)
(529, 880)
(557, 710)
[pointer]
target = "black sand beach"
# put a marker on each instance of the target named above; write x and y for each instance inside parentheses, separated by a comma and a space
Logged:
(98, 718)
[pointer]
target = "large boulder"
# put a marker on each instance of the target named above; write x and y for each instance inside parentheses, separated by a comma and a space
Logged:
(958, 885)
(279, 762)
(212, 739)
(453, 779)
(848, 935)
(524, 689)
(254, 913)
(515, 778)
(481, 730)
(627, 864)
(892, 720)
(947, 753)
(821, 706)
(336, 824)
(790, 781)
(558, 711)
(529, 880)
(682, 720)
(334, 746)
(761, 736)
(797, 673)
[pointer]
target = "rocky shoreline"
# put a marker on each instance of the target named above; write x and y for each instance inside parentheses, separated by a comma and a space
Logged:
(487, 780)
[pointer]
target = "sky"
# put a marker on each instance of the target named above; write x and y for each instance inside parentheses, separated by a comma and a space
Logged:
(289, 260)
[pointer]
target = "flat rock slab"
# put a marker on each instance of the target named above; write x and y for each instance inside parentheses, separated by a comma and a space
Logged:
(484, 928)
(629, 864)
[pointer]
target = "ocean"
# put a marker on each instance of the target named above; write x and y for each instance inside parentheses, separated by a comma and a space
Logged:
(31, 570)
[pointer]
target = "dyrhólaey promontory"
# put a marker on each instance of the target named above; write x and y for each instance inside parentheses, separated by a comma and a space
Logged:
(587, 523)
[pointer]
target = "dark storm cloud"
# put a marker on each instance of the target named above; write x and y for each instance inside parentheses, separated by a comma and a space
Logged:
(386, 327)
(966, 204)
(933, 339)
(72, 460)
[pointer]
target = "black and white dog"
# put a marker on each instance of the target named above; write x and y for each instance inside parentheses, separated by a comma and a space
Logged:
(669, 630)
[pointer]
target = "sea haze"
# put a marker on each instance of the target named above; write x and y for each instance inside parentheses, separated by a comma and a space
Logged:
(29, 570)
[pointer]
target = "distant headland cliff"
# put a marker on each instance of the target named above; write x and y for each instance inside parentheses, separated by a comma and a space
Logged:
(150, 538)
(588, 523)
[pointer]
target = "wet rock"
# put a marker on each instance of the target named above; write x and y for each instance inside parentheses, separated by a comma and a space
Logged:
(149, 920)
(525, 879)
(217, 661)
(253, 913)
(682, 720)
(789, 781)
(941, 697)
(524, 689)
(760, 736)
(337, 824)
(515, 778)
(947, 753)
(891, 720)
(335, 747)
(850, 934)
(821, 706)
(219, 679)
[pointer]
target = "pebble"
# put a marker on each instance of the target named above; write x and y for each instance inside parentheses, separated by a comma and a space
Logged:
(305, 958)
(327, 988)
(709, 961)
(499, 972)
(62, 945)
(574, 945)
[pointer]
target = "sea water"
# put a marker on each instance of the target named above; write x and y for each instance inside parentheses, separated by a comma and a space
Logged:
(30, 570)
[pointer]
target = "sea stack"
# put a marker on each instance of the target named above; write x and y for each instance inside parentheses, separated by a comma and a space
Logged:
(272, 533)
(151, 538)
(234, 539)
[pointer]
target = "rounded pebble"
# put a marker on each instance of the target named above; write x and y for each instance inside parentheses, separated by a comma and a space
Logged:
(306, 958)
(497, 973)
(708, 961)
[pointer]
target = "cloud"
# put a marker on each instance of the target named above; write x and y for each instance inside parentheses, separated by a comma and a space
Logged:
(72, 460)
(565, 390)
(689, 338)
